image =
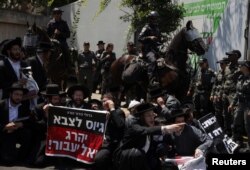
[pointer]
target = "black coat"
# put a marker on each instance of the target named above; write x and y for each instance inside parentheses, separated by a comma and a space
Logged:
(194, 138)
(23, 111)
(38, 72)
(8, 75)
(135, 136)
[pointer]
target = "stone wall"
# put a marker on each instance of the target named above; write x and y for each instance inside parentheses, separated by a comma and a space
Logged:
(14, 24)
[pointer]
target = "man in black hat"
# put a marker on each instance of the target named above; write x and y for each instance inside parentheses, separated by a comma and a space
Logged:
(85, 65)
(98, 77)
(78, 93)
(198, 142)
(11, 65)
(232, 74)
(39, 64)
(137, 150)
(202, 86)
(53, 97)
(217, 91)
(14, 126)
(58, 28)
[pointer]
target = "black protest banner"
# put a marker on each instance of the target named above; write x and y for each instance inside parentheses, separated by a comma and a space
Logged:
(75, 133)
(210, 125)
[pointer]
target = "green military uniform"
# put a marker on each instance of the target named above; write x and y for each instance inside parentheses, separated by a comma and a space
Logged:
(202, 85)
(242, 100)
(217, 92)
(232, 74)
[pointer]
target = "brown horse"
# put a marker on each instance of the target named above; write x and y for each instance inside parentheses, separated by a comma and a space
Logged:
(176, 82)
(57, 68)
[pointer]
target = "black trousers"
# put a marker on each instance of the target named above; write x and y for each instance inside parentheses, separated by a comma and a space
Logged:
(136, 159)
(15, 146)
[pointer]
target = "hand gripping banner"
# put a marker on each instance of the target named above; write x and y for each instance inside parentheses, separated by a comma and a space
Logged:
(75, 133)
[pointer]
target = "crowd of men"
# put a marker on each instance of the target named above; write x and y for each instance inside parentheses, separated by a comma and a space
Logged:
(156, 129)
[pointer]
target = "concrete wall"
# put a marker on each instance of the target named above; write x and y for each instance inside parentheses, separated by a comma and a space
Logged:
(13, 23)
(107, 26)
(222, 24)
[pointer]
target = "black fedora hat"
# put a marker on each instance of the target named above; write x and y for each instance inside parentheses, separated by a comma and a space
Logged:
(178, 113)
(100, 42)
(98, 102)
(18, 86)
(52, 90)
(155, 92)
(234, 52)
(80, 87)
(142, 108)
(9, 43)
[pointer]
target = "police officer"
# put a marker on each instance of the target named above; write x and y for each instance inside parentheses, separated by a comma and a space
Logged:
(232, 74)
(85, 65)
(107, 58)
(242, 98)
(202, 86)
(58, 28)
(217, 91)
(98, 77)
(150, 37)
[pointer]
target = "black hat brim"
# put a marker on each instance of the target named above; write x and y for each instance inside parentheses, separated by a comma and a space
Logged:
(9, 43)
(61, 93)
(82, 88)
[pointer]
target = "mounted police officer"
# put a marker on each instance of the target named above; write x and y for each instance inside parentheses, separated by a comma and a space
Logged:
(150, 37)
(58, 28)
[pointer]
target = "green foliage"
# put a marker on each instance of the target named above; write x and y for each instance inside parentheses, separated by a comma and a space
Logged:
(170, 13)
(76, 21)
(102, 6)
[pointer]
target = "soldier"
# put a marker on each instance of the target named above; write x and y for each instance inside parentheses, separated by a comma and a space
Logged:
(202, 86)
(216, 94)
(232, 74)
(242, 98)
(85, 65)
(150, 37)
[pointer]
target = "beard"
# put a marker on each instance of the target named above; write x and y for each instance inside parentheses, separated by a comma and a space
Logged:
(15, 56)
(15, 101)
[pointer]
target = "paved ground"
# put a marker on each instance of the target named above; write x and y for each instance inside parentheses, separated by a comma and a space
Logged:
(65, 164)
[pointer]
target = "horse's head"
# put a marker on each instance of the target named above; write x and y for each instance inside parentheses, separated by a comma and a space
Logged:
(194, 41)
(34, 35)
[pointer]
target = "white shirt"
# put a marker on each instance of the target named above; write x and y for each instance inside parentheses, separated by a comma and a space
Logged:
(147, 144)
(16, 66)
(13, 111)
(39, 58)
